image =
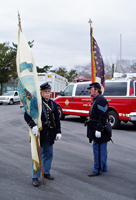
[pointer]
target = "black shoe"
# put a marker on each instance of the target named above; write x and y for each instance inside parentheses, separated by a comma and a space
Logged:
(93, 174)
(48, 176)
(35, 182)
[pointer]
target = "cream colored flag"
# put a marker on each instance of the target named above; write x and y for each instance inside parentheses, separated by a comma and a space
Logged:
(29, 90)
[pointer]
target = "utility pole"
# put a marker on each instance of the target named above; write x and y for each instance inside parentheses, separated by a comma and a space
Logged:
(120, 47)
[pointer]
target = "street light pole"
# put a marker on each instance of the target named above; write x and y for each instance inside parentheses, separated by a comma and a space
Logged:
(120, 47)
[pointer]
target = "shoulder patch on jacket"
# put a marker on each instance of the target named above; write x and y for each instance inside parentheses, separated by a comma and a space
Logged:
(104, 109)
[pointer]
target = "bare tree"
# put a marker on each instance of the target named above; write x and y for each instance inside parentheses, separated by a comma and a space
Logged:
(133, 66)
(108, 70)
(83, 71)
(123, 66)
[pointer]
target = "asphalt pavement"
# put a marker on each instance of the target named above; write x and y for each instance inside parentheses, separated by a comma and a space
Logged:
(73, 160)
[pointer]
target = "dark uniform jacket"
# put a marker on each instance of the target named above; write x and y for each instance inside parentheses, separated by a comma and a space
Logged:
(98, 116)
(50, 121)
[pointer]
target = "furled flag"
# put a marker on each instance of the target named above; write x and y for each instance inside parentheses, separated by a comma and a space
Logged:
(97, 65)
(29, 90)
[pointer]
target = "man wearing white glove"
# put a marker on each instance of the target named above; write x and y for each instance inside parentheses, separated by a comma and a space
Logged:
(58, 136)
(51, 131)
(97, 134)
(35, 130)
(98, 116)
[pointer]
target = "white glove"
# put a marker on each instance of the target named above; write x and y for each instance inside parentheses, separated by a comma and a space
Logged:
(97, 134)
(35, 130)
(58, 136)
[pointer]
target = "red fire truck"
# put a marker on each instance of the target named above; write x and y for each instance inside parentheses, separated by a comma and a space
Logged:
(81, 79)
(120, 94)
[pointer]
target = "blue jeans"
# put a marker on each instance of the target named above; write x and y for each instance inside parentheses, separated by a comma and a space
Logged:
(46, 156)
(100, 157)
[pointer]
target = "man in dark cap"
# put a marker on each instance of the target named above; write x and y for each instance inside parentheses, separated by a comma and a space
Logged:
(51, 131)
(98, 116)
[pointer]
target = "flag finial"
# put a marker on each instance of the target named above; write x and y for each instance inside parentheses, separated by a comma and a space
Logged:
(90, 21)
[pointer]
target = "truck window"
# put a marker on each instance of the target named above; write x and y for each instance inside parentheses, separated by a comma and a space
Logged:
(131, 92)
(82, 90)
(135, 88)
(115, 89)
(86, 90)
(68, 91)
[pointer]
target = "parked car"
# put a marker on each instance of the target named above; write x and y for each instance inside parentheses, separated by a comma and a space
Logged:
(10, 97)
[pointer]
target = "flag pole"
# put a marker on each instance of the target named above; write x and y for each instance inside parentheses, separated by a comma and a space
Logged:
(19, 21)
(91, 43)
(38, 149)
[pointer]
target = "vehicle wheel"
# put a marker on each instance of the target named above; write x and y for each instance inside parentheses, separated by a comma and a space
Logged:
(61, 115)
(114, 119)
(83, 117)
(134, 123)
(11, 102)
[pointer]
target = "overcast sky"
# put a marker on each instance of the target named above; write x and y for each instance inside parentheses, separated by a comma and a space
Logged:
(61, 31)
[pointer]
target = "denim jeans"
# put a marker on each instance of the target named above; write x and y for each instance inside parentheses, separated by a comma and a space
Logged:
(100, 157)
(46, 156)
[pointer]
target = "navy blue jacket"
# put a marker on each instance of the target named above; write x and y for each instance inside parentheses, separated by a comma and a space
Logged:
(47, 121)
(98, 115)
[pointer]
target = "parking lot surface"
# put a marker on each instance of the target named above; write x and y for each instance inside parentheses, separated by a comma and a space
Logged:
(73, 160)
